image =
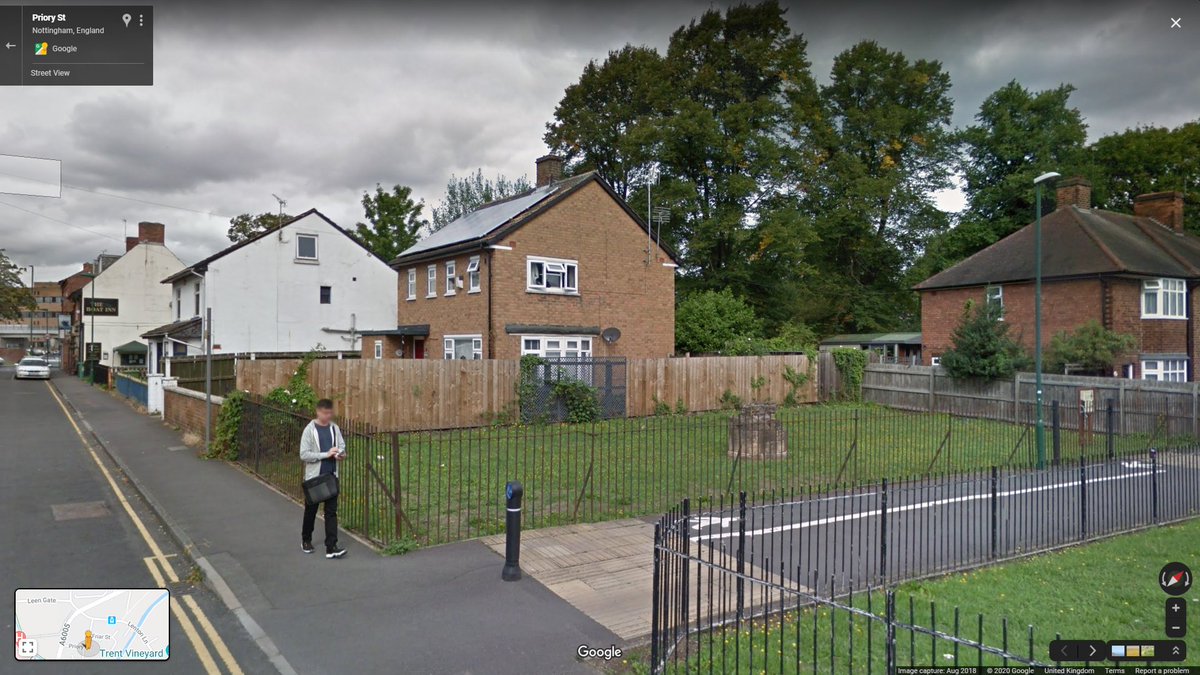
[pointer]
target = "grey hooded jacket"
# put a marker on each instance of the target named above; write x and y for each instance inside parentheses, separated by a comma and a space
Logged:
(310, 449)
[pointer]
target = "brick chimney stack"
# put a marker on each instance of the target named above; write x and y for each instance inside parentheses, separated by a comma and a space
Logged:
(1074, 191)
(1165, 207)
(151, 232)
(87, 268)
(130, 242)
(549, 169)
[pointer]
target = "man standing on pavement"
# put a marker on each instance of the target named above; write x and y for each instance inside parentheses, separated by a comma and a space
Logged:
(322, 446)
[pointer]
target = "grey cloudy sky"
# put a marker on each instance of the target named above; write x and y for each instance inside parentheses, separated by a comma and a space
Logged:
(318, 102)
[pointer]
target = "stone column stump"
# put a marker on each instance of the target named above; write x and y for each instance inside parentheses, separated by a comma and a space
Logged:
(754, 433)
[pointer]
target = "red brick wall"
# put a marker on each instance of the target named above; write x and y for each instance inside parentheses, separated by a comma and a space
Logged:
(186, 411)
(1066, 305)
(391, 343)
(617, 287)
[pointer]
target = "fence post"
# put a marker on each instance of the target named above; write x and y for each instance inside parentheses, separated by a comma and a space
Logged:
(741, 554)
(995, 501)
(932, 386)
(1195, 408)
(883, 533)
(1154, 485)
(890, 618)
(1121, 406)
(654, 609)
(1082, 498)
(396, 483)
(1016, 398)
(1109, 431)
(1055, 432)
(684, 593)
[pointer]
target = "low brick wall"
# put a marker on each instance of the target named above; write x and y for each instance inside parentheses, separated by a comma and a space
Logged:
(184, 408)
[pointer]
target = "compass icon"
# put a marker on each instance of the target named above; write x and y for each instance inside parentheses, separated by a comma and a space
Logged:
(1175, 578)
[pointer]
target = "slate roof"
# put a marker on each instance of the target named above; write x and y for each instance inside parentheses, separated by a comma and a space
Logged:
(203, 264)
(1077, 243)
(496, 219)
(185, 328)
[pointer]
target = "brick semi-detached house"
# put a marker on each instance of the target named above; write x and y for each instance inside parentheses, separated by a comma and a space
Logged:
(1134, 274)
(560, 270)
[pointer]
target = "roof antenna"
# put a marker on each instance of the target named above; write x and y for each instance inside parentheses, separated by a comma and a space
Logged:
(279, 223)
(651, 179)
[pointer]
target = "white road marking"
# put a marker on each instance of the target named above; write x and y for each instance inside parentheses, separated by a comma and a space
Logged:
(912, 507)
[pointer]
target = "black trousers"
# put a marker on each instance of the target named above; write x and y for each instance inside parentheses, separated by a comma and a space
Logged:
(310, 520)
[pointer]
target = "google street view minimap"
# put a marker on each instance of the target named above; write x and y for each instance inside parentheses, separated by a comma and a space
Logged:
(124, 624)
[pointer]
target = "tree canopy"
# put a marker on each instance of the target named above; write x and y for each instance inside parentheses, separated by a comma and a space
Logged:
(394, 221)
(465, 194)
(15, 297)
(246, 226)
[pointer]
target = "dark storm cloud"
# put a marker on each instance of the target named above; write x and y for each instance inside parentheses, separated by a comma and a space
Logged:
(318, 102)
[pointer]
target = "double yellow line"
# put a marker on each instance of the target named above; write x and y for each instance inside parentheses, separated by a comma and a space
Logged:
(160, 566)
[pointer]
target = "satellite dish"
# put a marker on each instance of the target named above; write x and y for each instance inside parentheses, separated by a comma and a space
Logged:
(611, 335)
(399, 352)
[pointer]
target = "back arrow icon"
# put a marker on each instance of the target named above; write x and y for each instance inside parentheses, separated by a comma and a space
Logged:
(9, 45)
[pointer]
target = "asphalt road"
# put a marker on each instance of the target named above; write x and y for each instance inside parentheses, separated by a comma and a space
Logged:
(68, 528)
(832, 541)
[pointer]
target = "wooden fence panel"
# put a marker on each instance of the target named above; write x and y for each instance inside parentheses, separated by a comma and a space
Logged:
(411, 394)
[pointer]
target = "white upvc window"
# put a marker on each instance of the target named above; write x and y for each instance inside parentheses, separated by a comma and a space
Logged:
(1164, 299)
(451, 277)
(552, 275)
(379, 348)
(412, 283)
(178, 303)
(431, 282)
(556, 345)
(473, 275)
(306, 247)
(935, 360)
(462, 347)
(196, 298)
(995, 298)
(1165, 370)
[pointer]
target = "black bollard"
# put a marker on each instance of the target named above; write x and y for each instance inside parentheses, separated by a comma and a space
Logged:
(512, 531)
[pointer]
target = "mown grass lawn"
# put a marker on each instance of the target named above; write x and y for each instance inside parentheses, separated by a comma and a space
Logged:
(1106, 590)
(451, 483)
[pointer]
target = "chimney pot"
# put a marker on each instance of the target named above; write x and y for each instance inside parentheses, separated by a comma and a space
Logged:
(549, 169)
(1074, 191)
(151, 232)
(1165, 207)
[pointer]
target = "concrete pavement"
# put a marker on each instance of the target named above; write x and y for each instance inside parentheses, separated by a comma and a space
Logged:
(436, 610)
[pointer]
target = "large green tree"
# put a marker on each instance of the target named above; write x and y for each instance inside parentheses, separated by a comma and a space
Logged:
(981, 346)
(884, 145)
(465, 194)
(731, 152)
(1018, 135)
(1148, 159)
(15, 297)
(393, 221)
(246, 226)
(608, 120)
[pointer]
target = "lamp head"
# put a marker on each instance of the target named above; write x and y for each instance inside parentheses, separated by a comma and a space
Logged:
(1049, 175)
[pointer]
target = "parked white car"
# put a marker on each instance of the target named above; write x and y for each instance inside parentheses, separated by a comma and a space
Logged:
(31, 368)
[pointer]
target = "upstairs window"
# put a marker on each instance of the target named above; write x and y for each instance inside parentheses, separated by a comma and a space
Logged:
(550, 275)
(473, 275)
(412, 284)
(1164, 299)
(995, 298)
(196, 299)
(431, 282)
(306, 247)
(451, 279)
(178, 303)
(326, 295)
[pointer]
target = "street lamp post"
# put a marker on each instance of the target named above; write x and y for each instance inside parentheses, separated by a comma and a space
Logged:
(1037, 317)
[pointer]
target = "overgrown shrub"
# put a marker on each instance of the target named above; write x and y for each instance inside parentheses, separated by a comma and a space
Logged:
(225, 435)
(730, 400)
(851, 365)
(581, 400)
(297, 395)
(981, 346)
